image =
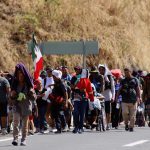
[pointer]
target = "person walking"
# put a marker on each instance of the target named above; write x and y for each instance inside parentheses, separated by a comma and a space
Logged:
(82, 92)
(146, 97)
(108, 93)
(59, 101)
(21, 98)
(130, 92)
(4, 92)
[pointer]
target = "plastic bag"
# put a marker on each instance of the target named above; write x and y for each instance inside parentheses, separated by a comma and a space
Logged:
(91, 105)
(21, 96)
(97, 103)
(47, 93)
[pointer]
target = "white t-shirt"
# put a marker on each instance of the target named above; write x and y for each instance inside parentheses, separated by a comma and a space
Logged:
(109, 93)
(49, 81)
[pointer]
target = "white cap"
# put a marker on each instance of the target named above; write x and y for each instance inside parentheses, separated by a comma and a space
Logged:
(57, 73)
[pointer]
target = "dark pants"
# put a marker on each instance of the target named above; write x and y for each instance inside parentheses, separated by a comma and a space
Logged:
(3, 114)
(79, 113)
(40, 122)
(114, 115)
(58, 115)
(3, 109)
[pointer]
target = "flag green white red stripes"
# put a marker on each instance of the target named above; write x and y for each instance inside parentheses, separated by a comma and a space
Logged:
(37, 58)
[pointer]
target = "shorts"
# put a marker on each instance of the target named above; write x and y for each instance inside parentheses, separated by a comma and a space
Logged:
(3, 109)
(107, 107)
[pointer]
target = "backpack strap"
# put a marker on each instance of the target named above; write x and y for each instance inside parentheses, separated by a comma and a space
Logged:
(44, 82)
(137, 81)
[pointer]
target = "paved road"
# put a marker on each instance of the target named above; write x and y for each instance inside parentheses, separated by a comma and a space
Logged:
(89, 140)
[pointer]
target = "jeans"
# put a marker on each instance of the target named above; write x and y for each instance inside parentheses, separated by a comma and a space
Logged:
(58, 115)
(79, 113)
(40, 122)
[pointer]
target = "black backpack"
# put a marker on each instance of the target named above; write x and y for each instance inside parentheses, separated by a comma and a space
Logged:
(128, 89)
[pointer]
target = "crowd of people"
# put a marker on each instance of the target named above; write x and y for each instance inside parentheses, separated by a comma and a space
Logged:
(58, 101)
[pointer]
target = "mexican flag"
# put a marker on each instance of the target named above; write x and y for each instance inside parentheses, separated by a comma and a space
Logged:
(37, 58)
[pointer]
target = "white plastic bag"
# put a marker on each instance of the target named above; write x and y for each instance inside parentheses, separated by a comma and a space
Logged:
(91, 105)
(97, 103)
(47, 92)
(140, 109)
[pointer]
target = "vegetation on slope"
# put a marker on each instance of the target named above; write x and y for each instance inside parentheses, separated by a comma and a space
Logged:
(122, 28)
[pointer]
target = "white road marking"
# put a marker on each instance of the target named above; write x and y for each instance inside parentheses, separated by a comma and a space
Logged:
(135, 143)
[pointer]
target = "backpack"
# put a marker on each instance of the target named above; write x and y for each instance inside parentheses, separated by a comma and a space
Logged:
(129, 89)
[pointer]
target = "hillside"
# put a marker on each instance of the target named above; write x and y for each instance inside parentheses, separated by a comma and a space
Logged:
(122, 28)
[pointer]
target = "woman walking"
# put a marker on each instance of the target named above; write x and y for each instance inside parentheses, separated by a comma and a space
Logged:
(22, 96)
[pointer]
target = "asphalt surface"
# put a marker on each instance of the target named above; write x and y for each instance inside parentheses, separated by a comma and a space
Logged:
(89, 140)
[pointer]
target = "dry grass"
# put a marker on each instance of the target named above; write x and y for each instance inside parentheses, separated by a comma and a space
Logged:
(122, 28)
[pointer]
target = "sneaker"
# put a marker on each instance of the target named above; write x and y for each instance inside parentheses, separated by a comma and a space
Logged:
(75, 130)
(94, 125)
(37, 130)
(50, 129)
(4, 131)
(15, 142)
(107, 128)
(31, 132)
(65, 129)
(54, 130)
(57, 132)
(131, 129)
(8, 129)
(46, 131)
(80, 131)
(87, 126)
(126, 127)
(42, 131)
(23, 143)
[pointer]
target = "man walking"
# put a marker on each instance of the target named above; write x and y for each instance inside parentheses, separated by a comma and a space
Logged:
(4, 91)
(130, 92)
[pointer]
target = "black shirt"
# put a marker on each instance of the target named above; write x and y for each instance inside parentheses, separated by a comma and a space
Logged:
(128, 91)
(59, 89)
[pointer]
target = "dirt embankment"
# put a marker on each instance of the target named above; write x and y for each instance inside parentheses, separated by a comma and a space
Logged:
(122, 28)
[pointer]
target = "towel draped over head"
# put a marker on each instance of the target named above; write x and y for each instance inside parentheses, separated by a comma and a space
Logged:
(107, 71)
(28, 78)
